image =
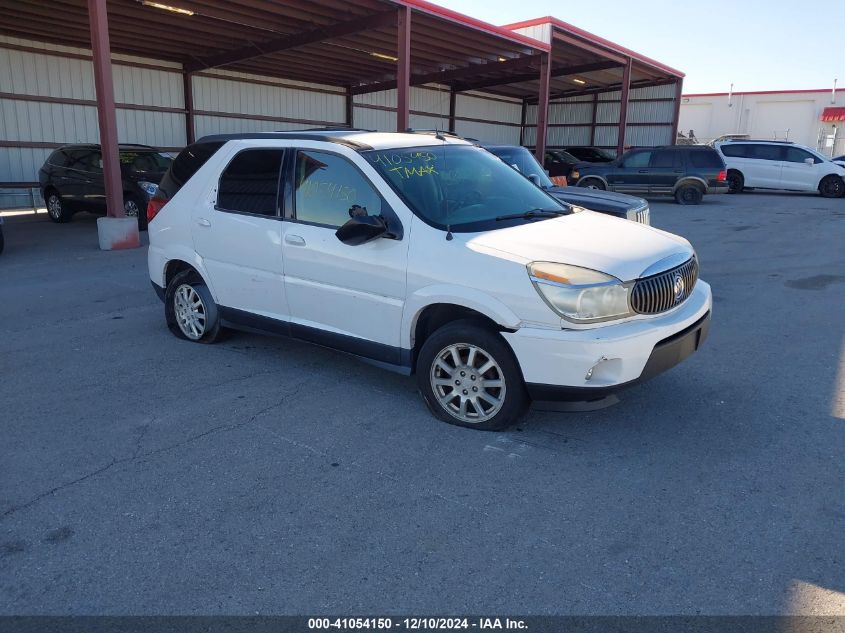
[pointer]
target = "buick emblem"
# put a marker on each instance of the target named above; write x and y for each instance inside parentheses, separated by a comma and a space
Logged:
(678, 287)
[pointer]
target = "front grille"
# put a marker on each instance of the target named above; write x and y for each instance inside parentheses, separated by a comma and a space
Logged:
(641, 215)
(662, 292)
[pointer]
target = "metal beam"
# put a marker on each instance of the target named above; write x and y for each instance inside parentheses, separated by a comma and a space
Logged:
(106, 117)
(623, 107)
(543, 107)
(453, 75)
(403, 68)
(522, 119)
(679, 87)
(350, 108)
(453, 104)
(594, 119)
(188, 91)
(559, 71)
(368, 22)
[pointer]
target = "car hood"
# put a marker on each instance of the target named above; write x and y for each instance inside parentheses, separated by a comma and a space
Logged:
(597, 199)
(610, 245)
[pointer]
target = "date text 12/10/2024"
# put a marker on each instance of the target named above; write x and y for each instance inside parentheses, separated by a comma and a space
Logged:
(417, 624)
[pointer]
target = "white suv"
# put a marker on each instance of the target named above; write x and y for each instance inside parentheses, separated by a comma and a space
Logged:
(425, 254)
(780, 165)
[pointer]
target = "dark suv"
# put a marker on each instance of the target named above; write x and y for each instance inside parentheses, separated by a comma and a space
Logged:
(686, 172)
(72, 180)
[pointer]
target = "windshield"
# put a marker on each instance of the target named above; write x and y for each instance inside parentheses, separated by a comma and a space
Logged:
(460, 186)
(523, 160)
(145, 161)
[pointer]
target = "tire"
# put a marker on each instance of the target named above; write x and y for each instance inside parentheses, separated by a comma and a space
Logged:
(134, 208)
(57, 209)
(832, 187)
(592, 183)
(689, 194)
(200, 324)
(476, 345)
(736, 182)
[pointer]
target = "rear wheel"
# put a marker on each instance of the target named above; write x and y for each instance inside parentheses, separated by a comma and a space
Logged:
(736, 182)
(468, 376)
(832, 187)
(689, 194)
(592, 183)
(190, 310)
(56, 208)
(133, 208)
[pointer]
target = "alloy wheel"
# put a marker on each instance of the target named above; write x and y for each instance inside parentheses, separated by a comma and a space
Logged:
(190, 312)
(54, 206)
(130, 209)
(468, 383)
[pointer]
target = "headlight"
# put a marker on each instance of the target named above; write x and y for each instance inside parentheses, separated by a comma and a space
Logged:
(149, 188)
(579, 294)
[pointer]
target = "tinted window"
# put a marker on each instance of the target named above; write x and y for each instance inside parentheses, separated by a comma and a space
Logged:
(186, 165)
(250, 183)
(525, 162)
(79, 159)
(58, 158)
(662, 158)
(145, 161)
(328, 186)
(797, 155)
(634, 160)
(734, 151)
(766, 152)
(706, 158)
(94, 162)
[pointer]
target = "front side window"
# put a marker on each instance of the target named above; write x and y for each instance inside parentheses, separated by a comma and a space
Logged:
(462, 186)
(250, 183)
(636, 160)
(328, 186)
(797, 155)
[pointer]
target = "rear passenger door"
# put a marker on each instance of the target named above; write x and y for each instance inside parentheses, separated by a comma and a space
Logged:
(764, 166)
(664, 169)
(237, 230)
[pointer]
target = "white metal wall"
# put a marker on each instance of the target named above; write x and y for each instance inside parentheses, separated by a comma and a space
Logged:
(650, 113)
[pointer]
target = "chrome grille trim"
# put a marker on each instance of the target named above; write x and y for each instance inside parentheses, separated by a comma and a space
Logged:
(656, 294)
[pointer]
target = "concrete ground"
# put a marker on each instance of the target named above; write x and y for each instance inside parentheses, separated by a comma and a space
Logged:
(140, 474)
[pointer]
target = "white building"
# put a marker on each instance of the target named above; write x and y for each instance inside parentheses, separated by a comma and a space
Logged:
(810, 117)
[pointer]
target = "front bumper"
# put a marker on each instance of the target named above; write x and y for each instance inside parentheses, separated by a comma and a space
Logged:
(590, 364)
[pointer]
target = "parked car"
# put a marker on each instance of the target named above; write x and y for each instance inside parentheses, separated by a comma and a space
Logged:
(72, 180)
(425, 254)
(558, 162)
(781, 165)
(687, 172)
(616, 204)
(590, 154)
(839, 160)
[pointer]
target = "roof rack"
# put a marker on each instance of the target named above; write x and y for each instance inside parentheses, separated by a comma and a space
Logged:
(331, 129)
(757, 140)
(299, 135)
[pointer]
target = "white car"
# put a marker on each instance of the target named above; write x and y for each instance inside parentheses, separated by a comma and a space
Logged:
(425, 254)
(780, 165)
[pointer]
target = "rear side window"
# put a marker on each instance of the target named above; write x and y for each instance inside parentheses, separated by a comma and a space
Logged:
(328, 186)
(734, 151)
(250, 183)
(765, 152)
(705, 159)
(663, 158)
(186, 165)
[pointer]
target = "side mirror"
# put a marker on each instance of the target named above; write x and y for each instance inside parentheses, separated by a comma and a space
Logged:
(535, 179)
(361, 229)
(809, 161)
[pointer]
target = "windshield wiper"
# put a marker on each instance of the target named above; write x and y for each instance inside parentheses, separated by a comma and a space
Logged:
(533, 213)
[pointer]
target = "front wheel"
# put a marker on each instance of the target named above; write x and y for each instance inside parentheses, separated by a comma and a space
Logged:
(592, 183)
(190, 310)
(469, 376)
(832, 187)
(56, 208)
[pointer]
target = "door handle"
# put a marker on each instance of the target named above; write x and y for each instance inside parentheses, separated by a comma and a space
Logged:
(203, 222)
(643, 171)
(294, 240)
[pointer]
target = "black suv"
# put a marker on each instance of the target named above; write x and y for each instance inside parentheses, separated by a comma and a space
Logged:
(686, 172)
(72, 180)
(617, 204)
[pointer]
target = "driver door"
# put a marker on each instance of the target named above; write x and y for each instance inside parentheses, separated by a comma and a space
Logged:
(348, 297)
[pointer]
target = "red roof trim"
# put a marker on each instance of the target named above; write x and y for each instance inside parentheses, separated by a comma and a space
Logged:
(760, 92)
(460, 18)
(595, 39)
(833, 114)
